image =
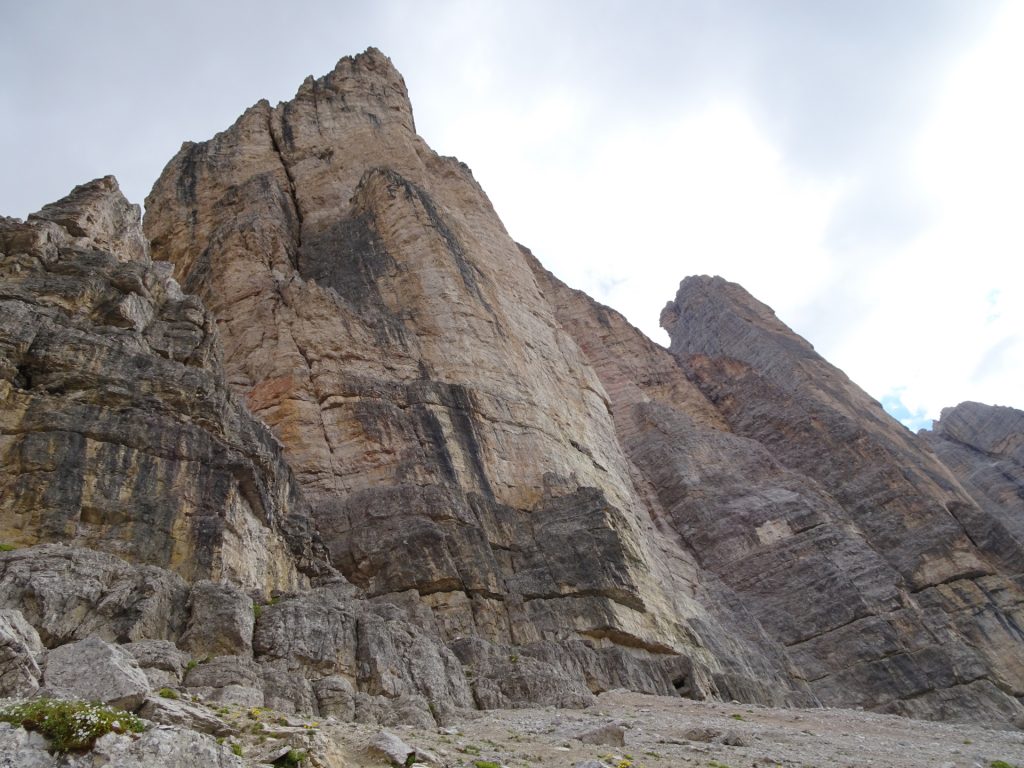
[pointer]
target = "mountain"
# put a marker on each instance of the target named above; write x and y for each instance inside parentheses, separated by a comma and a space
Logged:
(320, 423)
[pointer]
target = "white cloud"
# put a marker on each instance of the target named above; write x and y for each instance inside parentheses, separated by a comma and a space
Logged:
(625, 215)
(954, 296)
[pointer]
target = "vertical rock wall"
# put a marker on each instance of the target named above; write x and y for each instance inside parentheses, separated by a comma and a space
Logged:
(116, 429)
(923, 612)
(455, 445)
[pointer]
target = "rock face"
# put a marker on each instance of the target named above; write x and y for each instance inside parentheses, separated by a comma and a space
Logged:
(922, 612)
(476, 487)
(369, 304)
(116, 429)
(983, 446)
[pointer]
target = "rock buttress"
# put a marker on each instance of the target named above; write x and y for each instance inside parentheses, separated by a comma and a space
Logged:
(454, 444)
(117, 430)
(920, 617)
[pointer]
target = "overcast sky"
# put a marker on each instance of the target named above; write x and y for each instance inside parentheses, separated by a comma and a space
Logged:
(856, 165)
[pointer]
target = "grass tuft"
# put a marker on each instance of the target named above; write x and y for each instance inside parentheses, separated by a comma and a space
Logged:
(70, 725)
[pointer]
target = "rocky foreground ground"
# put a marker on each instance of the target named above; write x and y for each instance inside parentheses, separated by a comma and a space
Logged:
(622, 730)
(627, 729)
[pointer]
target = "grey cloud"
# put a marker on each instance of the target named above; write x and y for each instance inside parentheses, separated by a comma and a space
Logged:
(116, 86)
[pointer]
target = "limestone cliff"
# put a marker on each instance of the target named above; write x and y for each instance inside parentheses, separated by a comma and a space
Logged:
(455, 445)
(117, 430)
(983, 446)
(362, 456)
(927, 596)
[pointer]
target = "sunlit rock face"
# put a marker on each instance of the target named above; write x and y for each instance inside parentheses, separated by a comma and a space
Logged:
(117, 430)
(922, 610)
(489, 445)
(455, 444)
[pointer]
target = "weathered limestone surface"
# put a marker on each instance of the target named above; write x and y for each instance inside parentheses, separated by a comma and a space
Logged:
(117, 431)
(983, 446)
(69, 593)
(455, 446)
(19, 649)
(94, 670)
(922, 617)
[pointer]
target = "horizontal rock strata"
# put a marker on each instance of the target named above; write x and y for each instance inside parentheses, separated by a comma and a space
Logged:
(117, 430)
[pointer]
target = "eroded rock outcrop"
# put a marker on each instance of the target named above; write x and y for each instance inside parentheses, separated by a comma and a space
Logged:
(983, 446)
(117, 431)
(920, 616)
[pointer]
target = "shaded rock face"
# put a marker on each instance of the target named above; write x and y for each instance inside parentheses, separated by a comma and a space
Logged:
(917, 608)
(453, 442)
(116, 428)
(983, 446)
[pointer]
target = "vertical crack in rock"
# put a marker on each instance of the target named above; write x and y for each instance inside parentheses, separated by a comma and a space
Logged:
(293, 256)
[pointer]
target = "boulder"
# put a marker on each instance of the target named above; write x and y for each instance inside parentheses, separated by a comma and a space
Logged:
(24, 749)
(162, 661)
(94, 670)
(161, 747)
(184, 715)
(70, 593)
(609, 734)
(221, 621)
(387, 746)
(19, 648)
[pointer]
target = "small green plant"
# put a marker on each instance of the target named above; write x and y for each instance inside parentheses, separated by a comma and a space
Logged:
(291, 759)
(716, 764)
(470, 749)
(5, 547)
(192, 664)
(168, 693)
(1001, 764)
(737, 716)
(257, 610)
(485, 764)
(70, 725)
(236, 748)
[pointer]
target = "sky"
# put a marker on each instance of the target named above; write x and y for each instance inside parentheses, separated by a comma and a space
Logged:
(857, 166)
